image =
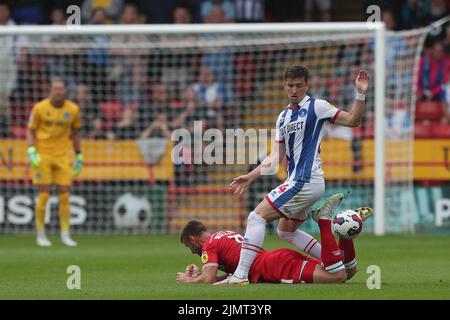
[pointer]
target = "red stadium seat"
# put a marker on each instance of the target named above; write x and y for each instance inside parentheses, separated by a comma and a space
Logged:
(422, 130)
(112, 112)
(369, 131)
(429, 110)
(440, 131)
(357, 132)
(20, 112)
(19, 132)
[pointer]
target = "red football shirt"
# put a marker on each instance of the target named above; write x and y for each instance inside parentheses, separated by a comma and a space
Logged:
(223, 250)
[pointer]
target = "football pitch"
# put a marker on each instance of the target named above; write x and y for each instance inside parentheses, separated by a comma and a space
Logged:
(145, 267)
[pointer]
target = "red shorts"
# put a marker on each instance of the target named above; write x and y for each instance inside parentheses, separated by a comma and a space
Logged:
(283, 266)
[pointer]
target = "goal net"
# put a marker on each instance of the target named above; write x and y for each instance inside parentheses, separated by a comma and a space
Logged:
(169, 118)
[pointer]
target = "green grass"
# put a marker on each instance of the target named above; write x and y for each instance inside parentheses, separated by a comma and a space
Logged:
(144, 267)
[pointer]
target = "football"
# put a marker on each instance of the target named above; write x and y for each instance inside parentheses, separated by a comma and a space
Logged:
(131, 211)
(347, 224)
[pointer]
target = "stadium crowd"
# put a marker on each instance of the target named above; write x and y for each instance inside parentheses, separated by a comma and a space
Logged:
(122, 97)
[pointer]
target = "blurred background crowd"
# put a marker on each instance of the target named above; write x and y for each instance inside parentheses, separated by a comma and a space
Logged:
(121, 97)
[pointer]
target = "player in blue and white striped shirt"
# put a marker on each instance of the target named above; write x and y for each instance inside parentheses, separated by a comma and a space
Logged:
(299, 131)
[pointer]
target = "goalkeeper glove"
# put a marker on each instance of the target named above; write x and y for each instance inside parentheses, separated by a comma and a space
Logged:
(34, 157)
(78, 164)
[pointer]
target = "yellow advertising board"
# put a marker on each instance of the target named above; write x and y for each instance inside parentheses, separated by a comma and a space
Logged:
(104, 160)
(122, 160)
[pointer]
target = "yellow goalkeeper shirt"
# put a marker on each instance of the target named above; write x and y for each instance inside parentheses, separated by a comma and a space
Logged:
(53, 126)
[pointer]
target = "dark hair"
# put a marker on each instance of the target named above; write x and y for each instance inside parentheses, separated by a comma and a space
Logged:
(184, 5)
(192, 228)
(294, 72)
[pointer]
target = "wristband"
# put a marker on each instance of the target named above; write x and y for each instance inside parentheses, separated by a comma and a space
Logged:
(361, 96)
(31, 149)
(79, 156)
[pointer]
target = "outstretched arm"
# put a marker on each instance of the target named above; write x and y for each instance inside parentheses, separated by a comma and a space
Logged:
(269, 163)
(353, 118)
(206, 275)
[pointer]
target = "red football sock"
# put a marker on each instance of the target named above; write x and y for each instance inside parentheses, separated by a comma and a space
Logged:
(347, 246)
(331, 255)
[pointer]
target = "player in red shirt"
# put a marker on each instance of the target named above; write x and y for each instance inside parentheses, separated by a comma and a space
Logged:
(221, 250)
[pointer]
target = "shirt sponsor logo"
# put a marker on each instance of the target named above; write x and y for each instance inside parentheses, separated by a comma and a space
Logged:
(292, 127)
(302, 113)
(204, 257)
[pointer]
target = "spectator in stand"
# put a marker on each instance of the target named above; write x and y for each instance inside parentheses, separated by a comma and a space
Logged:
(434, 71)
(190, 110)
(160, 103)
(212, 94)
(438, 9)
(157, 128)
(323, 6)
(129, 127)
(29, 11)
(249, 10)
(112, 9)
(156, 11)
(447, 38)
(130, 69)
(91, 115)
(64, 62)
(415, 13)
(220, 59)
(176, 115)
(58, 17)
(162, 114)
(182, 14)
(97, 66)
(208, 11)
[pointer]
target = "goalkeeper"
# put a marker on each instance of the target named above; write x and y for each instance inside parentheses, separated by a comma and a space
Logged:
(53, 129)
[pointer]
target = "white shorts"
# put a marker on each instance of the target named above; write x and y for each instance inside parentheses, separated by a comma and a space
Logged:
(294, 199)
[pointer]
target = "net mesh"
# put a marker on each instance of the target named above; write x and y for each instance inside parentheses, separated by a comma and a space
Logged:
(135, 90)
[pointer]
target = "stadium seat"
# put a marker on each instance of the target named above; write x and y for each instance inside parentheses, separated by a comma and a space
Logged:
(429, 110)
(112, 112)
(440, 131)
(369, 131)
(19, 132)
(422, 130)
(20, 112)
